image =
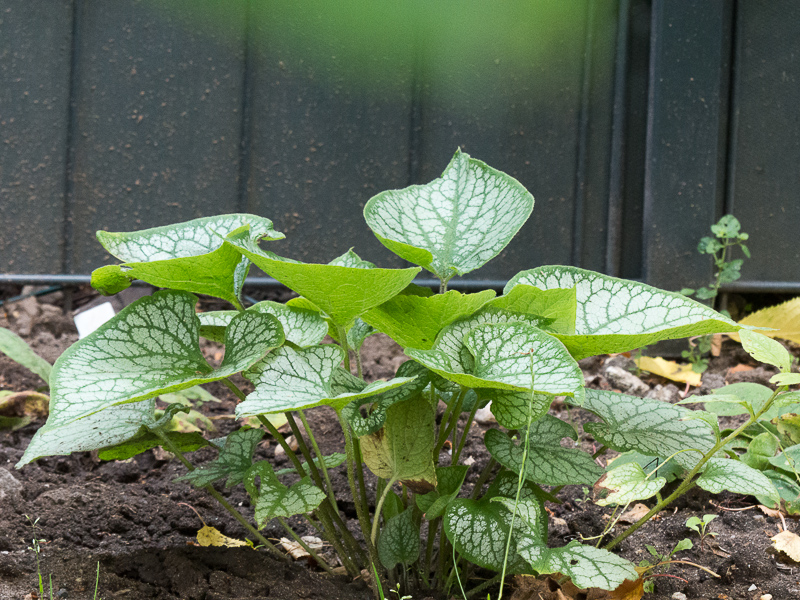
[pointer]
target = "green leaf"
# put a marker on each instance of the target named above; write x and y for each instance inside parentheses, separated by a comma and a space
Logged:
(790, 457)
(233, 462)
(752, 394)
(627, 483)
(343, 293)
(616, 315)
(766, 350)
(727, 227)
(511, 408)
(194, 395)
(352, 260)
(548, 463)
(110, 427)
(185, 442)
(414, 321)
(18, 350)
(651, 427)
(110, 280)
(456, 223)
(192, 256)
(273, 499)
(668, 470)
(377, 413)
(785, 379)
(331, 461)
(498, 355)
(760, 450)
(151, 348)
(449, 482)
(399, 541)
(556, 304)
(788, 490)
(301, 326)
(403, 449)
(725, 474)
(789, 428)
(295, 379)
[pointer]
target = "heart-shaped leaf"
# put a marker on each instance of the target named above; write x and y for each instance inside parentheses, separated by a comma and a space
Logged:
(295, 379)
(414, 321)
(192, 256)
(302, 327)
(456, 223)
(403, 449)
(734, 476)
(342, 292)
(502, 356)
(616, 315)
(399, 541)
(547, 463)
(150, 348)
(648, 426)
(233, 462)
(17, 350)
(627, 483)
(273, 499)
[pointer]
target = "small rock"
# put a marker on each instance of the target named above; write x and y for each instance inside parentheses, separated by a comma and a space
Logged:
(557, 527)
(279, 451)
(766, 597)
(292, 443)
(469, 461)
(665, 393)
(9, 485)
(625, 381)
(621, 361)
(484, 416)
(678, 596)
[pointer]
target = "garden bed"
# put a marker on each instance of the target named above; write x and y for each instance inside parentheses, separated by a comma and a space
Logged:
(139, 526)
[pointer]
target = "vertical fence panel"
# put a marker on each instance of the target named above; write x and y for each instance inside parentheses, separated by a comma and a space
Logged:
(685, 169)
(330, 129)
(158, 117)
(765, 174)
(35, 51)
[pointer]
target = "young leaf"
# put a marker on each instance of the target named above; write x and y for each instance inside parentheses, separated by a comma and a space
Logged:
(151, 348)
(735, 398)
(615, 315)
(511, 408)
(18, 350)
(193, 256)
(273, 499)
(414, 321)
(233, 461)
(585, 565)
(499, 356)
(343, 293)
(766, 350)
(648, 426)
(785, 379)
(403, 449)
(548, 463)
(352, 260)
(331, 461)
(456, 223)
(734, 476)
(556, 304)
(450, 479)
(377, 415)
(110, 427)
(760, 450)
(399, 541)
(295, 379)
(627, 483)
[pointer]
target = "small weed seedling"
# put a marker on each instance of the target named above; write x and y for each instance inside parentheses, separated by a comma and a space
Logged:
(727, 235)
(518, 351)
(658, 567)
(36, 543)
(701, 527)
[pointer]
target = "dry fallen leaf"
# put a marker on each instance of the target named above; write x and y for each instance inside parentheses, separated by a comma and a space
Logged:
(784, 318)
(788, 543)
(24, 404)
(531, 588)
(209, 536)
(296, 551)
(669, 369)
(636, 512)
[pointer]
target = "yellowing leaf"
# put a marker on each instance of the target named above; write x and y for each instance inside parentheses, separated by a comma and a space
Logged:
(669, 370)
(783, 318)
(788, 543)
(209, 536)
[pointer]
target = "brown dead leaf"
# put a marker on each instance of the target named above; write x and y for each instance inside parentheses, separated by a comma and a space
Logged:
(531, 588)
(24, 404)
(788, 543)
(296, 551)
(209, 536)
(636, 512)
(770, 512)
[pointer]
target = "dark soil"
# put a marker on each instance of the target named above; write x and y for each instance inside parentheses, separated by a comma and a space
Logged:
(132, 520)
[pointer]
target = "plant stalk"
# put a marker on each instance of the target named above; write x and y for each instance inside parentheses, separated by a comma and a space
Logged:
(687, 483)
(321, 458)
(376, 519)
(465, 434)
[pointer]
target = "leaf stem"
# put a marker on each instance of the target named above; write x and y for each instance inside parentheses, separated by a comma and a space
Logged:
(454, 415)
(483, 478)
(359, 365)
(342, 333)
(478, 589)
(169, 445)
(321, 458)
(376, 519)
(465, 433)
(325, 566)
(687, 483)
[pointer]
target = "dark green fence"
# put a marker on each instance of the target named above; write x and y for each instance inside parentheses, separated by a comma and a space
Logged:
(635, 124)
